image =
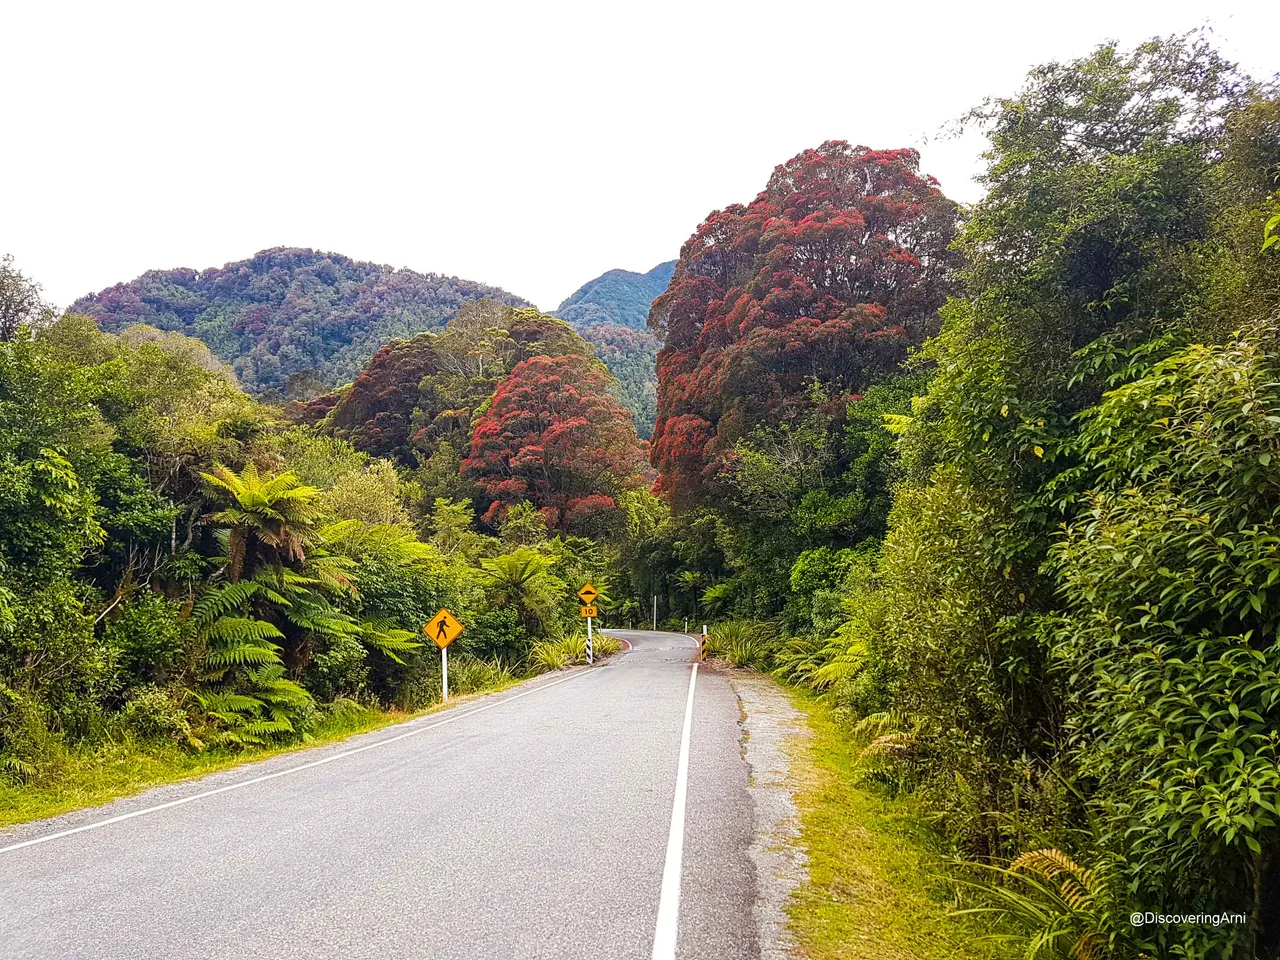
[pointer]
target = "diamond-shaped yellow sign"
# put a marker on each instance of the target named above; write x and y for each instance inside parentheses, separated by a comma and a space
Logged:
(444, 628)
(588, 594)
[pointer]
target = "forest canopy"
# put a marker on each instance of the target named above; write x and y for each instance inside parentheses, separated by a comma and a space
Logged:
(1000, 483)
(289, 321)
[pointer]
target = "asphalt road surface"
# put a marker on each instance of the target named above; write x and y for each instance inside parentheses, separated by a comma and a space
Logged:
(537, 823)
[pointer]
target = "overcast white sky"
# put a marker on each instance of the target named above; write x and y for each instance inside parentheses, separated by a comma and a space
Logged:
(528, 145)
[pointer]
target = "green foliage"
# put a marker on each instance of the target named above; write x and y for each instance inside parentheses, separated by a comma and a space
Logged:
(743, 643)
(1049, 906)
(524, 526)
(570, 650)
(291, 321)
(522, 581)
(632, 357)
(471, 674)
(271, 519)
(1038, 574)
(1170, 578)
(22, 302)
(180, 570)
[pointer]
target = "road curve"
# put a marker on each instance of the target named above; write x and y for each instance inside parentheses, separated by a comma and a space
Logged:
(531, 824)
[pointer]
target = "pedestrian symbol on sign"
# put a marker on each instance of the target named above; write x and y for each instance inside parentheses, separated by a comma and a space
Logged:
(444, 628)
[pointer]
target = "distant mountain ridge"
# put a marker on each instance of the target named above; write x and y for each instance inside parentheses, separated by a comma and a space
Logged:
(612, 312)
(290, 320)
(618, 296)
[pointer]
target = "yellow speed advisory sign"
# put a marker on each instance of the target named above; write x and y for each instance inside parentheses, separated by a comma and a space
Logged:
(590, 611)
(443, 629)
(588, 595)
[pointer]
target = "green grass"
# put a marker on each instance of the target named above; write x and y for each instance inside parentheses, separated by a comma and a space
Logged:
(89, 778)
(874, 890)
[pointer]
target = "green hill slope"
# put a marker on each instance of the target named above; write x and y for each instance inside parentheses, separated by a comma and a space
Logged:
(611, 312)
(289, 320)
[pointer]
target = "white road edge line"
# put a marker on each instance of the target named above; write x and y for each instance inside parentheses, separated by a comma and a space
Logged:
(664, 935)
(284, 773)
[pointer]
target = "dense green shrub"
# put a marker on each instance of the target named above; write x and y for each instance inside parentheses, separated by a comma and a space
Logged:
(1171, 579)
(744, 643)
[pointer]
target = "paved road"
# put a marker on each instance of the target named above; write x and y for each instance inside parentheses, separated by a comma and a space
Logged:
(532, 824)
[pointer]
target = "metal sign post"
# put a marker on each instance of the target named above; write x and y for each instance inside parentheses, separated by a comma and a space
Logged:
(444, 628)
(587, 595)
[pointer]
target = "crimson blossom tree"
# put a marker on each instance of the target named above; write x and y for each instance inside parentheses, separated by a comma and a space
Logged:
(829, 275)
(555, 436)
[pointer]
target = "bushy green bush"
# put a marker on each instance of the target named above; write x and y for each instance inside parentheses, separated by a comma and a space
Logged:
(144, 639)
(469, 674)
(1171, 579)
(744, 643)
(339, 669)
(152, 713)
(570, 650)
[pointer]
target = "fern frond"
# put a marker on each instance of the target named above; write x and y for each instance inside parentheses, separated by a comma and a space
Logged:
(225, 701)
(242, 655)
(389, 640)
(243, 630)
(221, 600)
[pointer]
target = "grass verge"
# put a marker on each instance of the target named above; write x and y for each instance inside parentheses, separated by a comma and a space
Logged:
(874, 890)
(92, 777)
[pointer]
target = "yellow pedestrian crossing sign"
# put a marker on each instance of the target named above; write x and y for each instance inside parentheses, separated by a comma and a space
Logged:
(444, 628)
(588, 594)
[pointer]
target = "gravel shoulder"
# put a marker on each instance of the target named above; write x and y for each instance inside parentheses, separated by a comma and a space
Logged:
(772, 731)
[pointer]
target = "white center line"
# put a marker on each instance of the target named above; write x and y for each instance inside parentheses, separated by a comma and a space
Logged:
(664, 936)
(284, 773)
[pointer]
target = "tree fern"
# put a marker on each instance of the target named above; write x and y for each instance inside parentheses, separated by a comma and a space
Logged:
(388, 639)
(1050, 906)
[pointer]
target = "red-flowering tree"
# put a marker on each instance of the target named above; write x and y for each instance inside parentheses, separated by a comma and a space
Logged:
(555, 436)
(830, 274)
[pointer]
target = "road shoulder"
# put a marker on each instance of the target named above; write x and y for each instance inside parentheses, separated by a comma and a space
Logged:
(873, 888)
(773, 732)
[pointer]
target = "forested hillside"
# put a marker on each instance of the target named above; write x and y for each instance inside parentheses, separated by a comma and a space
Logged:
(289, 322)
(505, 406)
(618, 296)
(610, 312)
(184, 571)
(1001, 484)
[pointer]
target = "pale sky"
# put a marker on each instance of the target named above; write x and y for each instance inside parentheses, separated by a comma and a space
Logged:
(528, 145)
